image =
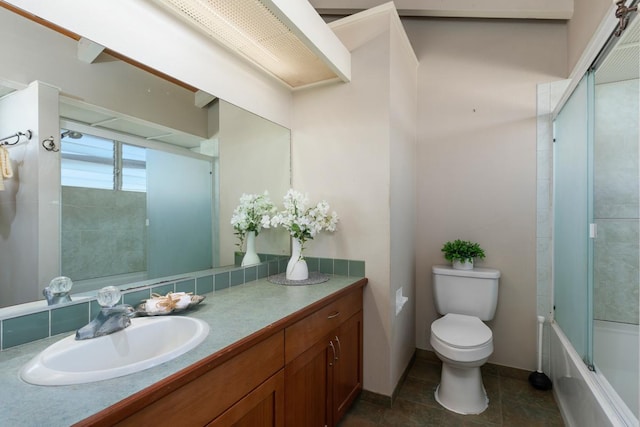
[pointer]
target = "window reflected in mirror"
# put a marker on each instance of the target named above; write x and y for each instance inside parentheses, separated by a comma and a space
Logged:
(127, 211)
(89, 161)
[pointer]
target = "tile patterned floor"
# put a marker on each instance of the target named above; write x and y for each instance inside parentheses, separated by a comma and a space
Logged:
(512, 401)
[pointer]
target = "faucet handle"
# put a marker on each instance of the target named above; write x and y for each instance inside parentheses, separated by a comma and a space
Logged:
(108, 296)
(60, 284)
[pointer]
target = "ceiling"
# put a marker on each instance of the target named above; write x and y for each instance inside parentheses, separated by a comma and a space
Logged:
(621, 62)
(508, 9)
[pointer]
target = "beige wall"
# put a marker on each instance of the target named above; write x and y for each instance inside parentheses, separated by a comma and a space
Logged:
(340, 153)
(254, 158)
(352, 149)
(402, 154)
(476, 173)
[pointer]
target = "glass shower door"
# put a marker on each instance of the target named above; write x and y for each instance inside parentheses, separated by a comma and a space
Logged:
(616, 261)
(179, 212)
(572, 218)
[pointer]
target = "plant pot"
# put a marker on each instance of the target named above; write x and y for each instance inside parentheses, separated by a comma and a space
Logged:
(463, 265)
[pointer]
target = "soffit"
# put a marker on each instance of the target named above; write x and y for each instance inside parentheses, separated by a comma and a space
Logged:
(621, 63)
(504, 9)
(99, 118)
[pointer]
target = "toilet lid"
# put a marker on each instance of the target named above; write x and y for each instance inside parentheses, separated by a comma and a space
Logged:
(458, 330)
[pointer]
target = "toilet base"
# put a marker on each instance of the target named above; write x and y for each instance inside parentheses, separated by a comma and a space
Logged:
(461, 390)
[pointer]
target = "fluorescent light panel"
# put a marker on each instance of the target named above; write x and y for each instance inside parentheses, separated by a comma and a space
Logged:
(249, 28)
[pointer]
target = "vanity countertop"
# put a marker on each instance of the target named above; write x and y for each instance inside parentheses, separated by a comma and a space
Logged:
(232, 314)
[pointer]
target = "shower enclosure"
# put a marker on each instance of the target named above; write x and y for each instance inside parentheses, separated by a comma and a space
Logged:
(596, 233)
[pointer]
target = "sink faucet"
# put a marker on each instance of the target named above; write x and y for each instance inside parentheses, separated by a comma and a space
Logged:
(111, 318)
(58, 290)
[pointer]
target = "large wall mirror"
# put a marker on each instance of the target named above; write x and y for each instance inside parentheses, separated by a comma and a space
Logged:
(151, 168)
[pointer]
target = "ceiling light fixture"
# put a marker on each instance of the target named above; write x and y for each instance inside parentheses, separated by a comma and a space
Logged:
(251, 29)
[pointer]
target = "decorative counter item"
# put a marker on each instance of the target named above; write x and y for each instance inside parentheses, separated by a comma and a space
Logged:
(315, 277)
(297, 268)
(167, 304)
(248, 219)
(461, 253)
(303, 223)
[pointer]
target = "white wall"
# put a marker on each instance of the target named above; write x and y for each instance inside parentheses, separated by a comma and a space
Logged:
(477, 160)
(51, 57)
(140, 30)
(29, 205)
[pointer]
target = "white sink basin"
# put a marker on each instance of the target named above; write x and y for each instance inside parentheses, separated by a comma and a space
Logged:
(148, 342)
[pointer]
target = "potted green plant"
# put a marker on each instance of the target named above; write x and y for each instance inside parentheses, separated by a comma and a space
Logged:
(461, 253)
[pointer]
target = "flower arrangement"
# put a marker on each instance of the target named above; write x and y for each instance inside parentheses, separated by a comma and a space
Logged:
(303, 221)
(252, 214)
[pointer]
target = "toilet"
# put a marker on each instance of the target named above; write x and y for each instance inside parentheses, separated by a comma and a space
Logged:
(465, 299)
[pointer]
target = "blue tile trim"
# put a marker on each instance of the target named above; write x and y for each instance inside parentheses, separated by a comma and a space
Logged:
(204, 285)
(313, 264)
(326, 265)
(237, 277)
(134, 298)
(24, 329)
(341, 267)
(186, 286)
(69, 318)
(163, 289)
(250, 274)
(54, 320)
(222, 281)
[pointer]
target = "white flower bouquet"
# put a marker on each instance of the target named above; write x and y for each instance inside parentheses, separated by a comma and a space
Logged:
(252, 214)
(302, 221)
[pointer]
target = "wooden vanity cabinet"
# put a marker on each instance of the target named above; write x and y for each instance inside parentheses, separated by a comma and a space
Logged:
(302, 371)
(323, 371)
(263, 407)
(248, 379)
(347, 369)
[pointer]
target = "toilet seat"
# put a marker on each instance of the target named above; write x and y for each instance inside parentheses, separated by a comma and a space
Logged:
(461, 331)
(461, 338)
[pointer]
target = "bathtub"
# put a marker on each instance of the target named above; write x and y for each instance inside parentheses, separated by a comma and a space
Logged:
(584, 397)
(615, 353)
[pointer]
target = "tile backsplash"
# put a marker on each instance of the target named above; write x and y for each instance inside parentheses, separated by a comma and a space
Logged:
(53, 320)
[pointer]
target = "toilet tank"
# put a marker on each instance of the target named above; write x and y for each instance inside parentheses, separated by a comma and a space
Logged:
(471, 292)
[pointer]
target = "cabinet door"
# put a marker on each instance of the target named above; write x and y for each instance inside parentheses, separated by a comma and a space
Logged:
(263, 407)
(306, 385)
(347, 369)
(209, 395)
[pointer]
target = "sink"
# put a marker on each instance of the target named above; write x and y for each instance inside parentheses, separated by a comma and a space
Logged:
(148, 342)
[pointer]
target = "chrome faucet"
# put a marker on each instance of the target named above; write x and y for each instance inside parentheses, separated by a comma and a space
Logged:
(111, 318)
(58, 290)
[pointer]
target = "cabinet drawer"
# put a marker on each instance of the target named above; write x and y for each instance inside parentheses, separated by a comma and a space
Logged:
(306, 332)
(203, 399)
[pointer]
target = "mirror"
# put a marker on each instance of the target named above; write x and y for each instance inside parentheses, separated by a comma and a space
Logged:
(54, 83)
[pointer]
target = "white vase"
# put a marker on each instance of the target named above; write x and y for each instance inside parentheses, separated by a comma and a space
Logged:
(250, 257)
(463, 265)
(297, 267)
